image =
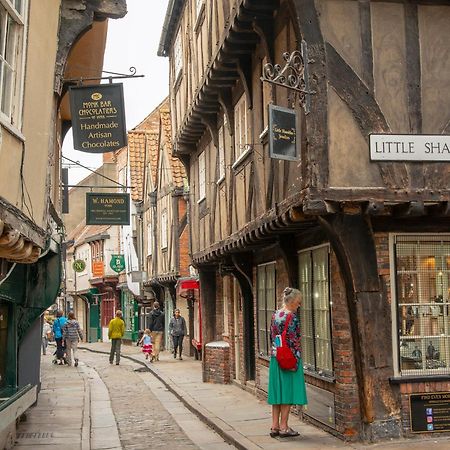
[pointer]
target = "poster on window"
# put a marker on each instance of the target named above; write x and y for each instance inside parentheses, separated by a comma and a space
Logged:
(282, 133)
(98, 118)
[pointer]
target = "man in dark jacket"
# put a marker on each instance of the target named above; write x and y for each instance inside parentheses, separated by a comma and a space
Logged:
(156, 326)
(177, 329)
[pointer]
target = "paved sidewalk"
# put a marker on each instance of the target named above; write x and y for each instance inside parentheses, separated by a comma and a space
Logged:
(238, 416)
(73, 412)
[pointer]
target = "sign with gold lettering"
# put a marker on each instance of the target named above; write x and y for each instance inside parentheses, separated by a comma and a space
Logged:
(98, 269)
(98, 118)
(430, 412)
(107, 209)
(282, 133)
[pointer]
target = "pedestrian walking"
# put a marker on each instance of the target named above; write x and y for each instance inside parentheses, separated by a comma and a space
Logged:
(116, 330)
(72, 335)
(58, 334)
(177, 329)
(156, 326)
(146, 342)
(46, 335)
(286, 387)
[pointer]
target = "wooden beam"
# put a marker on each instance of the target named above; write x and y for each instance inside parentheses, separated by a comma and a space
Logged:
(410, 209)
(366, 43)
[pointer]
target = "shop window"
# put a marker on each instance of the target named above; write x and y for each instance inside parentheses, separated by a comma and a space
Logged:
(422, 282)
(315, 311)
(267, 304)
(12, 24)
(3, 343)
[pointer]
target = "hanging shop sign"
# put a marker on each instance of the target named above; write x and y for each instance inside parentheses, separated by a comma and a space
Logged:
(117, 263)
(98, 269)
(407, 147)
(282, 133)
(79, 265)
(107, 209)
(98, 118)
(430, 412)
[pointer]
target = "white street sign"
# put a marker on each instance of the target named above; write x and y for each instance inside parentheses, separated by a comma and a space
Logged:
(406, 147)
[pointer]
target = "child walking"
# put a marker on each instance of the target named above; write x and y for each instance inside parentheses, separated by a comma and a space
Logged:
(146, 342)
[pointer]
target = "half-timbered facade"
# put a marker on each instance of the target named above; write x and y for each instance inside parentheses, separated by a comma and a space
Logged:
(160, 197)
(364, 238)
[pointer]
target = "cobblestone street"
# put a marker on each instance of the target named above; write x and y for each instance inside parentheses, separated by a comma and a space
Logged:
(103, 406)
(142, 419)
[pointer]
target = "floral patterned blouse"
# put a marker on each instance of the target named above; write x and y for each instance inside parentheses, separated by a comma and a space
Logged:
(292, 334)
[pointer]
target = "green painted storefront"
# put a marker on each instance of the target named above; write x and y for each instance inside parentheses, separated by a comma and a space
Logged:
(130, 314)
(28, 291)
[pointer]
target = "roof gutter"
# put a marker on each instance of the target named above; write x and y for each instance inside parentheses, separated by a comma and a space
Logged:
(172, 15)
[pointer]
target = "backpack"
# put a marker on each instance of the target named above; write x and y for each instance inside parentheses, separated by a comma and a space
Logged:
(285, 358)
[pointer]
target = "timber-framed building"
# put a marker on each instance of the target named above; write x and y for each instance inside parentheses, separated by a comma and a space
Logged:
(366, 241)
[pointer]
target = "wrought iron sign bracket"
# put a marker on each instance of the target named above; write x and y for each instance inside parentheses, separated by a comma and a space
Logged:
(116, 76)
(294, 75)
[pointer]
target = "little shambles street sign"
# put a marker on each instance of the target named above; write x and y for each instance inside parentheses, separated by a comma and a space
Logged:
(282, 133)
(98, 118)
(404, 147)
(107, 209)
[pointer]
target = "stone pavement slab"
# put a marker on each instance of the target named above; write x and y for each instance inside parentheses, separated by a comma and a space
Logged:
(61, 419)
(239, 417)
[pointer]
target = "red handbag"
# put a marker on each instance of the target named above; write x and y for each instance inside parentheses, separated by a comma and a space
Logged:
(285, 357)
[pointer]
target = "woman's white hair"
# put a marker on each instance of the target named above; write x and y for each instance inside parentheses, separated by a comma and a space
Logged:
(290, 294)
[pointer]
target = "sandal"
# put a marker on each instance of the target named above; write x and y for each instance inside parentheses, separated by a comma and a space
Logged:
(274, 432)
(289, 432)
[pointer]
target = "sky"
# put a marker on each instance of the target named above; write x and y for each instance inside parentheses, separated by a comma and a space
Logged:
(131, 41)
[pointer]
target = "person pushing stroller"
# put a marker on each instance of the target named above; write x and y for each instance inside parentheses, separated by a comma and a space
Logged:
(58, 325)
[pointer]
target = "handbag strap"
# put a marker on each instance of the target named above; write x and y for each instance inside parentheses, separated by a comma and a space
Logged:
(286, 324)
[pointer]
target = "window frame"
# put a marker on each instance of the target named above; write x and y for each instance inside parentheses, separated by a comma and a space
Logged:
(177, 56)
(149, 238)
(221, 153)
(164, 225)
(202, 176)
(241, 145)
(395, 307)
(12, 119)
(313, 367)
(265, 353)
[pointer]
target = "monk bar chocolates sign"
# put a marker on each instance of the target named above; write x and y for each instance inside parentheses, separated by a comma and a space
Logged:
(98, 120)
(282, 133)
(430, 412)
(107, 209)
(406, 147)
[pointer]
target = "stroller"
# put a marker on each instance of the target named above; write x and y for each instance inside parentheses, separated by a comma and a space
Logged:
(60, 355)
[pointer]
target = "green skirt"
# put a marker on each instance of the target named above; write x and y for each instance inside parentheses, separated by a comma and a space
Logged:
(286, 387)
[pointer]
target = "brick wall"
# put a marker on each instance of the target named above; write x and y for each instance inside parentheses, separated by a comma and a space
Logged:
(217, 363)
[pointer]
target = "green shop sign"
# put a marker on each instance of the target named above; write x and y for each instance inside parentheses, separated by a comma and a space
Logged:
(107, 209)
(117, 263)
(79, 265)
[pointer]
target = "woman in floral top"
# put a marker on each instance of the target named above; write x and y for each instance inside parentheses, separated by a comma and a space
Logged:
(286, 387)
